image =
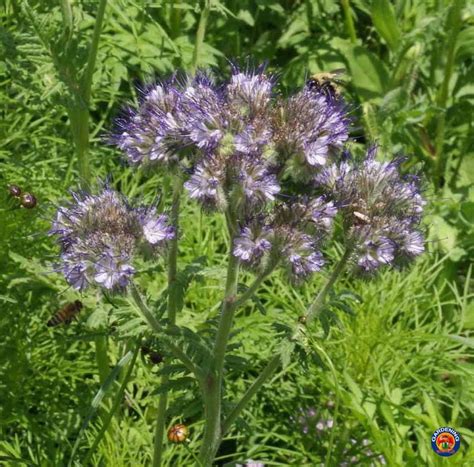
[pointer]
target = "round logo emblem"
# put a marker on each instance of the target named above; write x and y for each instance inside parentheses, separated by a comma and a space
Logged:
(445, 441)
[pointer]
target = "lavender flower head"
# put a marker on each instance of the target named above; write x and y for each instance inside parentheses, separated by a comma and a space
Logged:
(292, 235)
(202, 114)
(207, 184)
(250, 92)
(99, 234)
(232, 135)
(151, 134)
(381, 209)
(257, 183)
(310, 126)
(253, 242)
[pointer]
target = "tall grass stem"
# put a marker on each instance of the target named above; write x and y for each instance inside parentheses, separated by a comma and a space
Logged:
(200, 34)
(454, 25)
(172, 309)
(350, 29)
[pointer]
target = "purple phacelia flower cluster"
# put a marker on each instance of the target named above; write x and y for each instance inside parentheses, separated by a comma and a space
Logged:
(310, 126)
(381, 210)
(151, 134)
(293, 233)
(99, 234)
(240, 123)
(242, 147)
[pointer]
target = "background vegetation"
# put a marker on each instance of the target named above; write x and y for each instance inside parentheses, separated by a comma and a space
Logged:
(381, 379)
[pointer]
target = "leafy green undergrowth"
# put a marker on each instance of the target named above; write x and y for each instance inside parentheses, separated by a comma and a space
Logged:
(391, 370)
(390, 375)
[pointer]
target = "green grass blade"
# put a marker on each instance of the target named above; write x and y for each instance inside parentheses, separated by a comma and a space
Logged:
(98, 399)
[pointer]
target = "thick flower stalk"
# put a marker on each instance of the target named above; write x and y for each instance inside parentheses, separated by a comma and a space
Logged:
(99, 236)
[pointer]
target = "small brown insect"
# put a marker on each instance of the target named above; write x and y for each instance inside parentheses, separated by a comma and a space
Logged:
(28, 201)
(361, 218)
(153, 356)
(178, 433)
(302, 319)
(66, 314)
(14, 191)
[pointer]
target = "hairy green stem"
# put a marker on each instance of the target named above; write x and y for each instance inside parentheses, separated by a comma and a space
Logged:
(147, 314)
(118, 399)
(201, 32)
(79, 119)
(213, 382)
(227, 312)
(454, 24)
(87, 78)
(80, 112)
(350, 29)
(172, 308)
(314, 308)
